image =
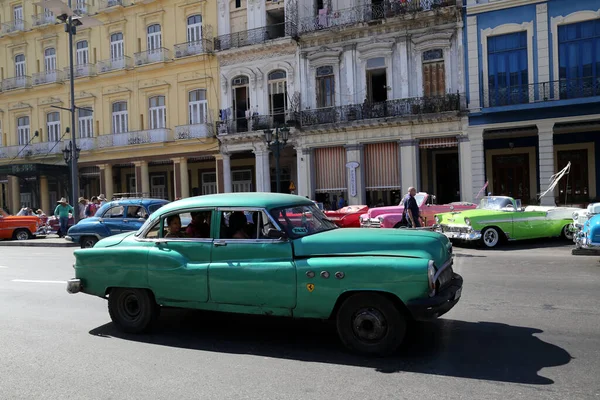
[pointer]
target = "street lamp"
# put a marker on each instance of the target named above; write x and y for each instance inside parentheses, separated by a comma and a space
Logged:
(277, 146)
(68, 153)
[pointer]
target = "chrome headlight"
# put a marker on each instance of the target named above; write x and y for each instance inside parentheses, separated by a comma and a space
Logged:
(431, 277)
(437, 219)
(380, 219)
(468, 221)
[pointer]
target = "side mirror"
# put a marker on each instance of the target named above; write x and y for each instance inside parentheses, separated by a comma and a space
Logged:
(275, 234)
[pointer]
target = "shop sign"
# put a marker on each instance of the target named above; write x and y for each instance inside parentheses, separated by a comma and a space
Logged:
(352, 165)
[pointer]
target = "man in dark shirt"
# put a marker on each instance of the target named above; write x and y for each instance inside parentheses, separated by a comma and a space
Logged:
(411, 208)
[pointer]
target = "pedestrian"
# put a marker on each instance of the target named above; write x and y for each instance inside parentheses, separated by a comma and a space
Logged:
(92, 207)
(62, 211)
(82, 204)
(341, 202)
(102, 200)
(411, 214)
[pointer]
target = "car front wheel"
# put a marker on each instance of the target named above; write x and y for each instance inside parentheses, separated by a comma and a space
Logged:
(490, 237)
(132, 310)
(21, 234)
(87, 242)
(370, 324)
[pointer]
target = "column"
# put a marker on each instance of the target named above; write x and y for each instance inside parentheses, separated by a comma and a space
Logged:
(219, 172)
(137, 167)
(185, 178)
(543, 50)
(546, 161)
(227, 187)
(177, 177)
(14, 196)
(408, 164)
(355, 175)
(145, 177)
(301, 172)
(478, 173)
(108, 181)
(473, 60)
(464, 168)
(263, 169)
(44, 194)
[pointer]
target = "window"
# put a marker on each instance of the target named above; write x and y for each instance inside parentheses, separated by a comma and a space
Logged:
(86, 123)
(197, 106)
(116, 46)
(154, 37)
(576, 187)
(81, 6)
(189, 225)
(19, 65)
(241, 180)
(209, 183)
(114, 212)
(82, 52)
(244, 225)
(508, 71)
(238, 3)
(53, 124)
(50, 59)
(278, 95)
(376, 80)
(158, 112)
(18, 17)
(120, 120)
(325, 87)
(434, 73)
(579, 59)
(194, 28)
(302, 220)
(23, 130)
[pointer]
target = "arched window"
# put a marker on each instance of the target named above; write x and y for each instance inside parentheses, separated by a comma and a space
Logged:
(239, 80)
(197, 106)
(82, 52)
(53, 125)
(158, 112)
(23, 130)
(194, 28)
(20, 65)
(50, 59)
(278, 95)
(116, 46)
(154, 37)
(120, 118)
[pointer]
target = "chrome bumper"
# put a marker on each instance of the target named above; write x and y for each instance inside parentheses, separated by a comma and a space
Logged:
(69, 239)
(468, 236)
(371, 223)
(42, 231)
(582, 242)
(74, 286)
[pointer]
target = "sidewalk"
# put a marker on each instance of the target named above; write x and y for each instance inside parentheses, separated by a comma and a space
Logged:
(48, 241)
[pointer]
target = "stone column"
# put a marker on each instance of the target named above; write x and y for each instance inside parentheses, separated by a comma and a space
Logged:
(219, 172)
(473, 59)
(177, 177)
(137, 167)
(301, 172)
(227, 187)
(263, 169)
(355, 174)
(44, 194)
(108, 181)
(14, 190)
(546, 161)
(477, 156)
(145, 177)
(543, 51)
(465, 173)
(408, 164)
(185, 178)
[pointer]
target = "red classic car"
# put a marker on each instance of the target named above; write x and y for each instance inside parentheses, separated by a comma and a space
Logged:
(20, 227)
(347, 217)
(53, 224)
(389, 217)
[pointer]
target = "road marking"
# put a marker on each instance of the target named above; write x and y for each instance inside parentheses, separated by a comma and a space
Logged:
(34, 281)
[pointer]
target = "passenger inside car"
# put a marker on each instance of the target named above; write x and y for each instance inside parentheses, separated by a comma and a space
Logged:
(237, 225)
(200, 225)
(174, 227)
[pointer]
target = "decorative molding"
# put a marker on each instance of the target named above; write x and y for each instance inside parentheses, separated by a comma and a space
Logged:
(408, 142)
(19, 106)
(192, 76)
(84, 95)
(222, 6)
(115, 89)
(432, 41)
(499, 5)
(324, 56)
(375, 48)
(245, 57)
(50, 100)
(152, 83)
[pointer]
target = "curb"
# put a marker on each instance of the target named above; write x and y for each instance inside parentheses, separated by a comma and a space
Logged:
(585, 252)
(36, 243)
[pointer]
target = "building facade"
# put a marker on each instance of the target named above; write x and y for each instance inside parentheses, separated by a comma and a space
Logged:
(534, 94)
(147, 92)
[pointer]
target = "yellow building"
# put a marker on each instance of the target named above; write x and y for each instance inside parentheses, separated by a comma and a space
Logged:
(147, 85)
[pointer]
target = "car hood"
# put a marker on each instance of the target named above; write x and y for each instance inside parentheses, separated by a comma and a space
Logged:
(114, 240)
(375, 212)
(23, 218)
(458, 217)
(375, 242)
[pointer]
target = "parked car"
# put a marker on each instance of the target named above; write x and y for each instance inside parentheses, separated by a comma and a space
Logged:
(390, 217)
(53, 224)
(370, 282)
(588, 223)
(347, 217)
(499, 218)
(113, 218)
(20, 227)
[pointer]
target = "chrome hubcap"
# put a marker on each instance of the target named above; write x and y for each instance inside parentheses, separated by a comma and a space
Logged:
(130, 307)
(567, 232)
(369, 325)
(491, 237)
(22, 236)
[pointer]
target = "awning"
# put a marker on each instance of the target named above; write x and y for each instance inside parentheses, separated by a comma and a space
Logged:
(438, 143)
(330, 169)
(382, 166)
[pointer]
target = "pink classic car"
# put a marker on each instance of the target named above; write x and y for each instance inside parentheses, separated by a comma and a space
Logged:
(389, 217)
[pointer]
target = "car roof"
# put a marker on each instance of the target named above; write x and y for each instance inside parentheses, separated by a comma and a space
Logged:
(246, 199)
(136, 201)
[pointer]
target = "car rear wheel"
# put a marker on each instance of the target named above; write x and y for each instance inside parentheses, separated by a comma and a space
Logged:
(132, 310)
(490, 237)
(566, 232)
(87, 242)
(370, 324)
(22, 234)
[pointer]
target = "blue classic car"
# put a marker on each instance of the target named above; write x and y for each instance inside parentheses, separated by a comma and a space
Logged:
(588, 235)
(113, 218)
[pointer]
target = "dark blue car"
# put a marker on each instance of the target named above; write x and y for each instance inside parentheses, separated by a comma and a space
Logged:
(113, 218)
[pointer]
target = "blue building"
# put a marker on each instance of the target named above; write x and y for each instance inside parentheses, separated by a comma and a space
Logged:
(533, 82)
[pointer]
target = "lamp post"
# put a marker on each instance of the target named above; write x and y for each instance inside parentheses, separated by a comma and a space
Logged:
(71, 155)
(277, 146)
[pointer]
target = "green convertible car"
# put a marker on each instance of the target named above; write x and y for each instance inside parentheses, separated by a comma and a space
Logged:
(499, 218)
(272, 254)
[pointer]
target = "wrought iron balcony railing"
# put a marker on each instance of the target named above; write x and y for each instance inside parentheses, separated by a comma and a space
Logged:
(41, 78)
(114, 64)
(44, 148)
(19, 82)
(254, 123)
(151, 56)
(46, 18)
(366, 13)
(563, 89)
(254, 36)
(14, 27)
(105, 4)
(134, 138)
(195, 131)
(389, 109)
(193, 48)
(81, 70)
(81, 8)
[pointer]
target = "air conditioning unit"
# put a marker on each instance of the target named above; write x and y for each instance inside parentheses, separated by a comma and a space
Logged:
(179, 53)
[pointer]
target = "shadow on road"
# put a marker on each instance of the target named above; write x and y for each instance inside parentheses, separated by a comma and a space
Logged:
(483, 350)
(520, 244)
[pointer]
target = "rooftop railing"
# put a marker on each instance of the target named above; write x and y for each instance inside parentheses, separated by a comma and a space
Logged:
(135, 138)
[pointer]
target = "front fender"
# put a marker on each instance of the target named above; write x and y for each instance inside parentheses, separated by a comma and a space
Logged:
(96, 229)
(390, 220)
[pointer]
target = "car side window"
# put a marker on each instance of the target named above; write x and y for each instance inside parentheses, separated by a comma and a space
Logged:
(114, 212)
(188, 225)
(154, 232)
(244, 224)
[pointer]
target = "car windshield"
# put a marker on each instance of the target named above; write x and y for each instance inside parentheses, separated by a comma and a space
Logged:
(299, 221)
(154, 207)
(495, 203)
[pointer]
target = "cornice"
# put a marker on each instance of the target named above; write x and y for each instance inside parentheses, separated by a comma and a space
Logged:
(499, 5)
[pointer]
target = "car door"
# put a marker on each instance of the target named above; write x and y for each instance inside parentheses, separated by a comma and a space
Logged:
(253, 271)
(134, 218)
(112, 219)
(178, 267)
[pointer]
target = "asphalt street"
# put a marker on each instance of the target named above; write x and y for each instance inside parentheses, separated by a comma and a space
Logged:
(527, 327)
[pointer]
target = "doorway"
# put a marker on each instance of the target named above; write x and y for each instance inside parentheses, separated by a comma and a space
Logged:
(158, 186)
(447, 181)
(511, 176)
(377, 85)
(241, 103)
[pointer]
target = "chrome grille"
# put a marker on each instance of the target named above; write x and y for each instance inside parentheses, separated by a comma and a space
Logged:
(445, 277)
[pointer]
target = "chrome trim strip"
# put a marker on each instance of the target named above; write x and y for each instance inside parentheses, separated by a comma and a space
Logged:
(446, 265)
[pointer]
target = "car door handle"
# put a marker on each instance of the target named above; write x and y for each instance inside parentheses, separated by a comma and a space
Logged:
(220, 243)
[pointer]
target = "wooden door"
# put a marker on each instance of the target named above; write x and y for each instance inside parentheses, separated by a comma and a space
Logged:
(511, 176)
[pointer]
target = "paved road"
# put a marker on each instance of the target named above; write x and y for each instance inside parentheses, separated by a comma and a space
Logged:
(527, 327)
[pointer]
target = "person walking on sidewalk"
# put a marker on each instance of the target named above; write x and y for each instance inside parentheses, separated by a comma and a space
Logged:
(62, 211)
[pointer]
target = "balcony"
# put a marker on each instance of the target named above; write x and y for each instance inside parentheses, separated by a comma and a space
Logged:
(254, 36)
(398, 108)
(104, 5)
(564, 89)
(196, 131)
(20, 82)
(367, 13)
(44, 19)
(152, 56)
(81, 70)
(81, 8)
(256, 123)
(14, 27)
(193, 48)
(84, 144)
(42, 78)
(114, 64)
(134, 138)
(44, 148)
(8, 152)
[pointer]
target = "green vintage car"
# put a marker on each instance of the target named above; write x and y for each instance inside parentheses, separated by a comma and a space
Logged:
(499, 218)
(272, 254)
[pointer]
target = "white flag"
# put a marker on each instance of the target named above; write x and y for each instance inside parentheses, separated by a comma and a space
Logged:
(557, 177)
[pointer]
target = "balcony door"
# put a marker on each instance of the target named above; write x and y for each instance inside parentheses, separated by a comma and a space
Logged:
(117, 52)
(158, 186)
(209, 183)
(278, 96)
(241, 103)
(18, 18)
(194, 34)
(154, 42)
(50, 64)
